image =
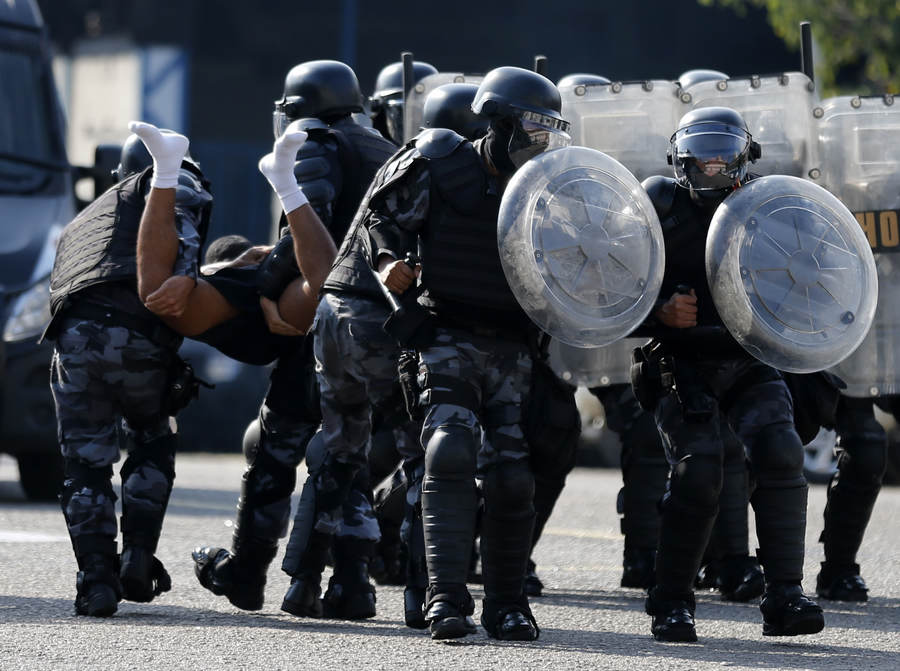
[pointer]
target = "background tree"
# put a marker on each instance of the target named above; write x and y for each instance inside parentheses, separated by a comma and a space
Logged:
(860, 52)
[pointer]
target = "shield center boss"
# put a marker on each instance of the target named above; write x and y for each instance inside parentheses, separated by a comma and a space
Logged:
(581, 246)
(791, 273)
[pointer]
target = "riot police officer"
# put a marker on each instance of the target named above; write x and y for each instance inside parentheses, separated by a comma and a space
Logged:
(711, 151)
(852, 492)
(333, 168)
(111, 366)
(386, 104)
(445, 192)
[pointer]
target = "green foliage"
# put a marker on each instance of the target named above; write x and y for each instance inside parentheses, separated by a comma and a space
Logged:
(856, 38)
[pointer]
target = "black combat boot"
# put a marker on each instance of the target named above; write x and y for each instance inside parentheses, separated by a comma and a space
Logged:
(639, 567)
(739, 578)
(673, 616)
(448, 611)
(302, 597)
(533, 584)
(97, 586)
(788, 612)
(239, 575)
(509, 622)
(350, 595)
(143, 576)
(841, 583)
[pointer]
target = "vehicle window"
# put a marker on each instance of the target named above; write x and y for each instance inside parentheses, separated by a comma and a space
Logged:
(30, 143)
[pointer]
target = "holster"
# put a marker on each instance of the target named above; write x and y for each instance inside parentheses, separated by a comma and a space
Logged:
(815, 397)
(408, 372)
(182, 387)
(551, 422)
(646, 379)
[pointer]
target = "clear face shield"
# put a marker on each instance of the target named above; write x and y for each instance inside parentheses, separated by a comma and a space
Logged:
(285, 112)
(710, 155)
(390, 108)
(534, 134)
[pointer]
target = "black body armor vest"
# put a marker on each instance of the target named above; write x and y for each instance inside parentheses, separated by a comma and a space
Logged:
(100, 244)
(461, 271)
(362, 153)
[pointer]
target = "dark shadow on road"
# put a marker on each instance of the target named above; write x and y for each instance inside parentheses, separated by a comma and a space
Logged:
(709, 606)
(756, 652)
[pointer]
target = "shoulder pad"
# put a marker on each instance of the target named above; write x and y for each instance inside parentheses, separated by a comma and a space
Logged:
(437, 142)
(311, 123)
(189, 192)
(662, 193)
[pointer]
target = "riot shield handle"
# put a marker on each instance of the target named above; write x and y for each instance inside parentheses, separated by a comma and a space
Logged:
(806, 50)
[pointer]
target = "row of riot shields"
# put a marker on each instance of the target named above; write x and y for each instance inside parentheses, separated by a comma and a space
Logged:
(844, 144)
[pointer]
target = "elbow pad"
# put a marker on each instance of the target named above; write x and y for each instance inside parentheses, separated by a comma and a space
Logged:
(278, 269)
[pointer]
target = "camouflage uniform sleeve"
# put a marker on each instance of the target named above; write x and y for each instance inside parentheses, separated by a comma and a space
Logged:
(188, 260)
(398, 213)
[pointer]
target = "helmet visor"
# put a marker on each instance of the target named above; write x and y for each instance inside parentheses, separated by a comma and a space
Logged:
(710, 156)
(393, 119)
(534, 134)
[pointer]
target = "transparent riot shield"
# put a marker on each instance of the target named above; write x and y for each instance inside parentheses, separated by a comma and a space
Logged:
(581, 246)
(791, 273)
(860, 163)
(631, 121)
(414, 107)
(779, 112)
(594, 366)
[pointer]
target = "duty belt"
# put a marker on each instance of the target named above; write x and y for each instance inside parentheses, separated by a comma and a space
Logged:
(151, 328)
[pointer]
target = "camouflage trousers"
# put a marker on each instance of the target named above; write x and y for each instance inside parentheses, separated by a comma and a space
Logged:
(496, 376)
(473, 389)
(108, 385)
(755, 402)
(356, 365)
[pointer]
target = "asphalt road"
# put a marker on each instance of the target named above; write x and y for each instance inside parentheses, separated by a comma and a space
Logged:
(587, 620)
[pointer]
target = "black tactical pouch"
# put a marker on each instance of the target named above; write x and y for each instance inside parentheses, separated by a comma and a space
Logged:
(182, 387)
(408, 371)
(815, 397)
(551, 421)
(646, 380)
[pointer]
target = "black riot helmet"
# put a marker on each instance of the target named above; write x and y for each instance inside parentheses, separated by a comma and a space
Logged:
(133, 158)
(450, 106)
(317, 89)
(691, 77)
(524, 109)
(712, 149)
(386, 102)
(581, 79)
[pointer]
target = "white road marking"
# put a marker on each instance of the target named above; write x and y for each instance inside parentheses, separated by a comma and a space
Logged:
(7, 536)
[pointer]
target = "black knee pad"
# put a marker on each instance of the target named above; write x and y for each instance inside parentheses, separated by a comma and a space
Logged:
(251, 440)
(697, 481)
(79, 476)
(776, 456)
(450, 453)
(159, 452)
(508, 486)
(864, 463)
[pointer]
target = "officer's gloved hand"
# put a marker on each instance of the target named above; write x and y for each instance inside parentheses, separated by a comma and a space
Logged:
(167, 148)
(278, 167)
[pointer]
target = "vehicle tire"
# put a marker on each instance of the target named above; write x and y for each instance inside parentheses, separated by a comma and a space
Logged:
(41, 475)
